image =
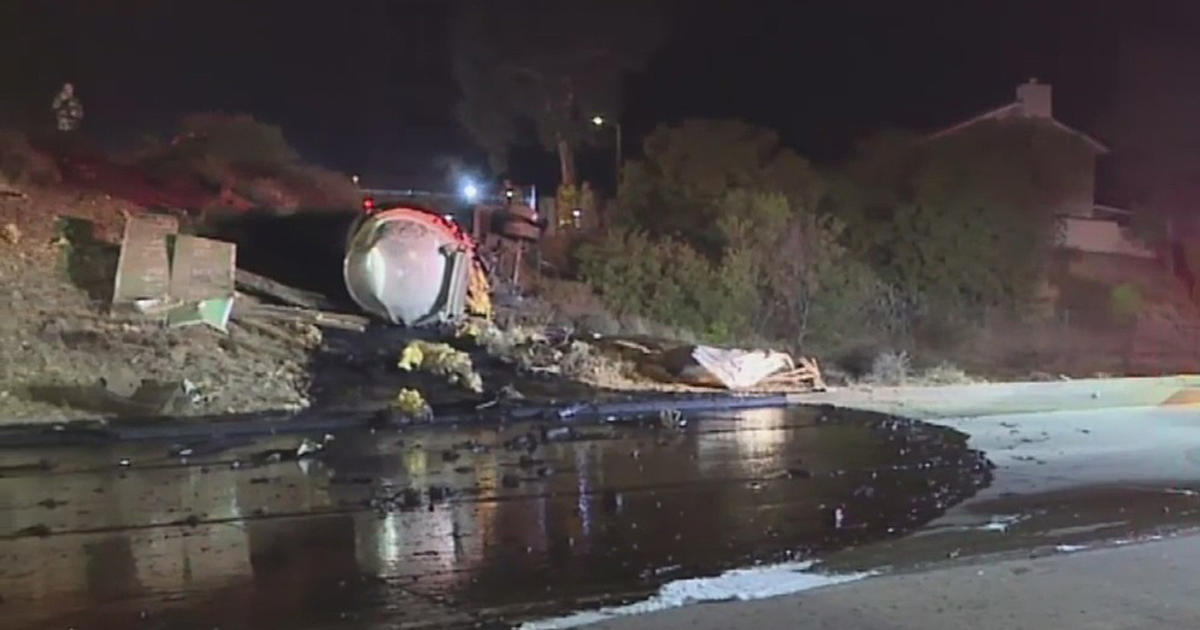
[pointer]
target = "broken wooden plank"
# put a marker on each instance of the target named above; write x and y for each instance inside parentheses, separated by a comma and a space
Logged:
(202, 269)
(327, 319)
(143, 270)
(253, 282)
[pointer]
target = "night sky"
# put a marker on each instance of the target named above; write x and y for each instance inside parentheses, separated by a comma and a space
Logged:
(365, 86)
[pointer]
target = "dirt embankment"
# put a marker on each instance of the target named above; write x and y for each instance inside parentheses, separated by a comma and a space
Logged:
(63, 356)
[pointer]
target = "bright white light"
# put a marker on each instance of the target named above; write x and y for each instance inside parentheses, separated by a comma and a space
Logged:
(470, 191)
(448, 217)
(597, 120)
(576, 213)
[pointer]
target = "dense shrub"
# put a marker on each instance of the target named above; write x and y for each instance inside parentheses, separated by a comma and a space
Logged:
(21, 163)
(236, 154)
(662, 279)
(782, 276)
(238, 140)
(726, 232)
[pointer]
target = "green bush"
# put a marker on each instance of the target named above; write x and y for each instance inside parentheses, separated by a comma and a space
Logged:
(667, 281)
(727, 233)
(682, 187)
(966, 220)
(1125, 303)
(782, 276)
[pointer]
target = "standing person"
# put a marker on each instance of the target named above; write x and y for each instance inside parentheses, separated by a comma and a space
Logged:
(68, 111)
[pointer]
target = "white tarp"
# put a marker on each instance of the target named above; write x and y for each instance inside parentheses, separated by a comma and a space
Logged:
(741, 369)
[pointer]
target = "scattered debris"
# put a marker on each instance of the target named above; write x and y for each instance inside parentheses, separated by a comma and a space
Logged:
(202, 272)
(245, 309)
(11, 234)
(739, 369)
(411, 404)
(625, 363)
(671, 419)
(443, 360)
(40, 530)
(308, 447)
(262, 285)
(439, 493)
(163, 274)
(735, 369)
(123, 393)
(525, 442)
(556, 434)
(504, 394)
(571, 411)
(143, 266)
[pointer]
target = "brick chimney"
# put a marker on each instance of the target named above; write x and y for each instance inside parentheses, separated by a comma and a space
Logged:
(1035, 97)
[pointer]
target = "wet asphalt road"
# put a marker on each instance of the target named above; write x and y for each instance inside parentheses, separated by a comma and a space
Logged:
(1069, 480)
(445, 527)
(1092, 520)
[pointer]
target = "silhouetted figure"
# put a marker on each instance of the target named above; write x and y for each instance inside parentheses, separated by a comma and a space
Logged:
(68, 111)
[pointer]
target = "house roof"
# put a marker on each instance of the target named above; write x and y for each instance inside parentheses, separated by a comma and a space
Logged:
(1017, 110)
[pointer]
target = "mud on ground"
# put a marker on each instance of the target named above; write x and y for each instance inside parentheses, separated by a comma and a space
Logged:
(58, 254)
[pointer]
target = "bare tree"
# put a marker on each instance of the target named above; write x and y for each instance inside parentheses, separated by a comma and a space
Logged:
(551, 65)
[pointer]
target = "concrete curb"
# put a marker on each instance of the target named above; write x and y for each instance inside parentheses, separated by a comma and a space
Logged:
(1007, 398)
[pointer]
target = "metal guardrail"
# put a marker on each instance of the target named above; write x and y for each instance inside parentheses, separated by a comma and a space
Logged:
(383, 194)
(406, 192)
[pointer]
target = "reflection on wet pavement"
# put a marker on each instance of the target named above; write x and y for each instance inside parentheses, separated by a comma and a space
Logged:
(443, 527)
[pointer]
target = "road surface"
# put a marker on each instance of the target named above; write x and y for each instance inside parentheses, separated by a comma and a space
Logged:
(451, 527)
(533, 523)
(1150, 586)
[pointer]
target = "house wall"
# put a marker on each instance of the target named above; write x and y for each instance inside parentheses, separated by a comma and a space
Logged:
(1080, 199)
(1100, 236)
(1060, 164)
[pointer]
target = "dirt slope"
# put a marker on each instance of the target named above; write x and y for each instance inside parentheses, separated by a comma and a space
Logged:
(57, 339)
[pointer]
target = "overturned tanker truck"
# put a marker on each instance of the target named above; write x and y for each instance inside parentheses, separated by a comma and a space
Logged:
(413, 267)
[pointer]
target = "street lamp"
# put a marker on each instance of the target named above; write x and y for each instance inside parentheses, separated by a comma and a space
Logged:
(470, 191)
(601, 121)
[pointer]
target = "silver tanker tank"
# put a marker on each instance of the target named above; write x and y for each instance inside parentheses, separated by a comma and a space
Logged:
(408, 267)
